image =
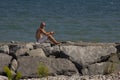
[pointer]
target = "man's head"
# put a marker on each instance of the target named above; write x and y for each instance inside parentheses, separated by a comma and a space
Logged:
(42, 25)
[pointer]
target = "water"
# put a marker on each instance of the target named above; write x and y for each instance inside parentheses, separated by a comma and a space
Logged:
(73, 20)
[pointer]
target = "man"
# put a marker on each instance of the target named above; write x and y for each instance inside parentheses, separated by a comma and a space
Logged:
(42, 35)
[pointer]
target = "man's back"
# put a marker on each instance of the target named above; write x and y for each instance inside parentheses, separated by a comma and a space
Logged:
(37, 35)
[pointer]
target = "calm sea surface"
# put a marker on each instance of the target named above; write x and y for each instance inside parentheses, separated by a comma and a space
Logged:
(73, 20)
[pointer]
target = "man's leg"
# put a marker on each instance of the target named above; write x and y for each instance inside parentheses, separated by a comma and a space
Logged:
(51, 38)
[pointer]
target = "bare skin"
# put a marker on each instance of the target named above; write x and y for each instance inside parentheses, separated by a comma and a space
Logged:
(41, 31)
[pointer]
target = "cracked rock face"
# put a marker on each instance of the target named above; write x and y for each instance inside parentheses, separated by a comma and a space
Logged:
(87, 54)
(28, 66)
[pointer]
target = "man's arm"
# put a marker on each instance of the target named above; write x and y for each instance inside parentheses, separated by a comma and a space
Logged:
(46, 33)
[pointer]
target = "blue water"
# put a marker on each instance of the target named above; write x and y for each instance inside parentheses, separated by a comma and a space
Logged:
(73, 20)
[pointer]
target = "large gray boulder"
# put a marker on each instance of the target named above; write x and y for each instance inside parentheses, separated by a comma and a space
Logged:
(28, 66)
(85, 55)
(4, 61)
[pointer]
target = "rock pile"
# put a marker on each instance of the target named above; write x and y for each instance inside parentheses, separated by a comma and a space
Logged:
(67, 59)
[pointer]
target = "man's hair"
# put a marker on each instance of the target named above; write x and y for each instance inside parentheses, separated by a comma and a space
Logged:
(43, 24)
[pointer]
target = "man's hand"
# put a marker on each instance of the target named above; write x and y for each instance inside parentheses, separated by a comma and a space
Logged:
(51, 32)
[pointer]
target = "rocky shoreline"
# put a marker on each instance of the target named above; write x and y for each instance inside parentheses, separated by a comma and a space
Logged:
(68, 61)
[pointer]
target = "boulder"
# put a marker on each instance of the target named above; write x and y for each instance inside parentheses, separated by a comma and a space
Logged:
(54, 50)
(14, 47)
(28, 66)
(21, 51)
(29, 46)
(114, 58)
(85, 55)
(112, 65)
(4, 61)
(101, 68)
(13, 65)
(4, 49)
(36, 52)
(3, 78)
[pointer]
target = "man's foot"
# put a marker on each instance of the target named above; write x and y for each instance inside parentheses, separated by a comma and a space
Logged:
(58, 43)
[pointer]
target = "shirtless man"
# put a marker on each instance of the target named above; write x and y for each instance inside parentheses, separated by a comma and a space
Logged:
(42, 35)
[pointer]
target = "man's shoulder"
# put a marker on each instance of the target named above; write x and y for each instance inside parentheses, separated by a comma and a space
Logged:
(42, 30)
